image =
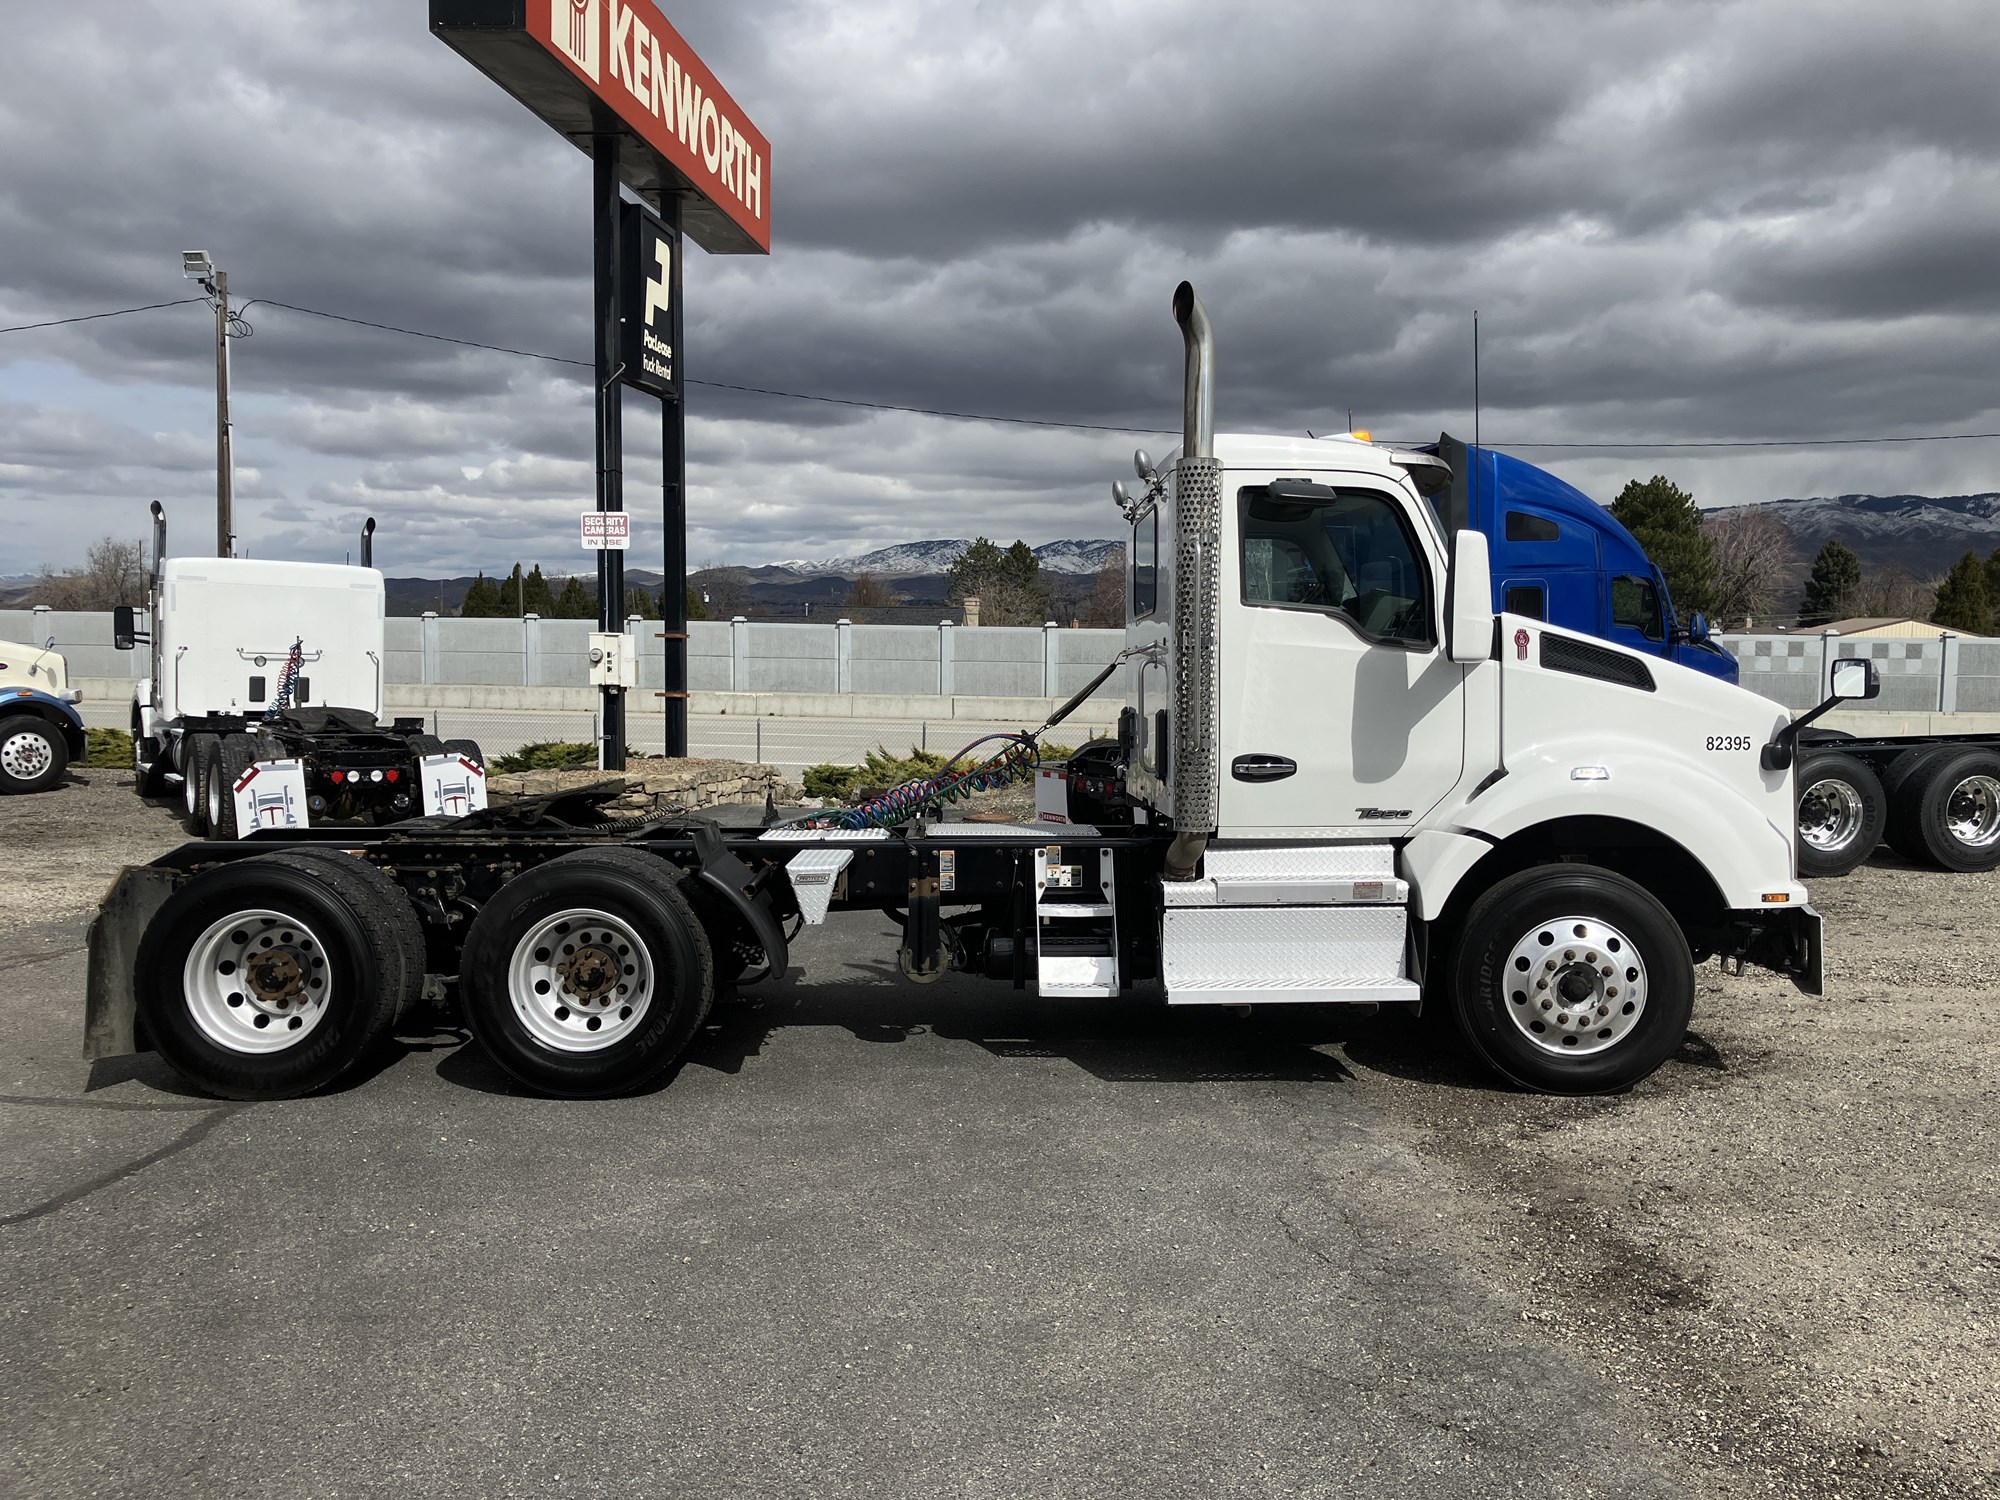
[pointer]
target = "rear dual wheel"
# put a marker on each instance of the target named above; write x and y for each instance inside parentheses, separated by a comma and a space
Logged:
(1841, 813)
(588, 976)
(1944, 808)
(268, 977)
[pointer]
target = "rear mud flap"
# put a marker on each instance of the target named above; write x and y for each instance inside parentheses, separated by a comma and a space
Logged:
(110, 1012)
(734, 883)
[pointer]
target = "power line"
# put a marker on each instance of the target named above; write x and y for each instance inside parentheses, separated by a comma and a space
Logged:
(970, 416)
(92, 317)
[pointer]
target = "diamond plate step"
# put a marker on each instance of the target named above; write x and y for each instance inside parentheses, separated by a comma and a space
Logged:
(1284, 955)
(1293, 875)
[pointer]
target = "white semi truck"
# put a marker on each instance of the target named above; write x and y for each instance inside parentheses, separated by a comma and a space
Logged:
(263, 697)
(1339, 778)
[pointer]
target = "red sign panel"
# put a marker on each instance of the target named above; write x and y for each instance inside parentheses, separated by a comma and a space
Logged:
(639, 65)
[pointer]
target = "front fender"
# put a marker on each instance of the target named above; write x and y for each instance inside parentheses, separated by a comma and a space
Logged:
(1731, 835)
(47, 706)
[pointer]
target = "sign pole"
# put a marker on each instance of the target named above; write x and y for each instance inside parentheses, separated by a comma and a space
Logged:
(673, 513)
(610, 429)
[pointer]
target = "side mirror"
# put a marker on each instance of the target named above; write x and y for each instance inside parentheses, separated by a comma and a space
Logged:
(1698, 628)
(124, 628)
(1468, 600)
(1855, 677)
(1121, 497)
(1143, 467)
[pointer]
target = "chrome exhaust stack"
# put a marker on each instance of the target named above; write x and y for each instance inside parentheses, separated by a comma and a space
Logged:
(1197, 480)
(368, 544)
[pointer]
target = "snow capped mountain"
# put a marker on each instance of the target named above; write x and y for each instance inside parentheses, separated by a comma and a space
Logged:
(1923, 533)
(936, 556)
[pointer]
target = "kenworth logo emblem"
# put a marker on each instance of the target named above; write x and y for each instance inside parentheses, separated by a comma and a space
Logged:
(576, 27)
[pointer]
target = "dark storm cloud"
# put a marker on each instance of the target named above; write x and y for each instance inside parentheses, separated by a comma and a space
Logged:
(1678, 219)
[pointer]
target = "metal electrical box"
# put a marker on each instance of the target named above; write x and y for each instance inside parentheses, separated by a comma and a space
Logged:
(614, 660)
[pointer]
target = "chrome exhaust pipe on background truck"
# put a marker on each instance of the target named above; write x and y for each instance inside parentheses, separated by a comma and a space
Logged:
(159, 537)
(1198, 528)
(368, 544)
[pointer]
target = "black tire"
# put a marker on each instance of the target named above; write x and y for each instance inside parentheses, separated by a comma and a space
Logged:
(1540, 1038)
(425, 744)
(1946, 811)
(148, 771)
(636, 898)
(235, 755)
(33, 754)
(195, 752)
(467, 748)
(346, 935)
(1841, 812)
(405, 966)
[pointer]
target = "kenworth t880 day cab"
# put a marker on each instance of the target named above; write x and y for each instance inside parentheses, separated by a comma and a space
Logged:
(1339, 779)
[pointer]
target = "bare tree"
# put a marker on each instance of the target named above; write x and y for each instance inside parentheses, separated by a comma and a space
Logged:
(1105, 608)
(722, 587)
(1756, 566)
(113, 573)
(1893, 592)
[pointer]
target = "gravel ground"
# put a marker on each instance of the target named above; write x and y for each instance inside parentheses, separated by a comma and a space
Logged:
(1784, 1248)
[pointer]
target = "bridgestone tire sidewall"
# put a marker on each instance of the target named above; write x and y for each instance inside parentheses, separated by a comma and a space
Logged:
(678, 948)
(1821, 765)
(326, 1051)
(1499, 919)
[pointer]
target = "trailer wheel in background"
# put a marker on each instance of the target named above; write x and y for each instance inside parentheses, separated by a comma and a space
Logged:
(1946, 811)
(32, 754)
(587, 976)
(1572, 980)
(1842, 809)
(266, 978)
(195, 751)
(234, 756)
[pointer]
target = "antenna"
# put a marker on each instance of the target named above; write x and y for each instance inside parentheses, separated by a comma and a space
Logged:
(1475, 410)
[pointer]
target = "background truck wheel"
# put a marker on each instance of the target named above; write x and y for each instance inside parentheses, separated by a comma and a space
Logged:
(268, 977)
(1946, 812)
(1842, 808)
(148, 772)
(1572, 980)
(588, 975)
(469, 749)
(32, 754)
(195, 751)
(232, 758)
(425, 744)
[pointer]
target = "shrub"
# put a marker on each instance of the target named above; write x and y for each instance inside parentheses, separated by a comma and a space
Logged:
(107, 748)
(549, 755)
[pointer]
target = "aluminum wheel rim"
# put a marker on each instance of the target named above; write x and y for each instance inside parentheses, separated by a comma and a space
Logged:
(1831, 814)
(1575, 986)
(257, 982)
(1972, 812)
(211, 775)
(581, 980)
(191, 793)
(26, 755)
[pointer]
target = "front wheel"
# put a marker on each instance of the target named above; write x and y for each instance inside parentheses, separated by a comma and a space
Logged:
(1572, 980)
(587, 976)
(32, 754)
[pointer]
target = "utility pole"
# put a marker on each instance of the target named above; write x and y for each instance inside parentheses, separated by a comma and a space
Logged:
(197, 266)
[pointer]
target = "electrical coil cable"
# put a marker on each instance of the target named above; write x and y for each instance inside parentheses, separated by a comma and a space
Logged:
(1018, 761)
(287, 680)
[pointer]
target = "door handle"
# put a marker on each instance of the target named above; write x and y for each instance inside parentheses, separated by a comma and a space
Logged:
(1262, 767)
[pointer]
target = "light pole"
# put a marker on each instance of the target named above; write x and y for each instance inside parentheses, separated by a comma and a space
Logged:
(196, 266)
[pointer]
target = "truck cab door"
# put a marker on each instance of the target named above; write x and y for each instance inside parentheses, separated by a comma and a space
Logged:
(1342, 716)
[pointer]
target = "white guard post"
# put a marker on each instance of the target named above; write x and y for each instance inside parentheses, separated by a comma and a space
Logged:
(453, 786)
(271, 794)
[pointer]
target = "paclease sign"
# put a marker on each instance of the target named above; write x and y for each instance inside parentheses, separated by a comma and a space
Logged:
(638, 65)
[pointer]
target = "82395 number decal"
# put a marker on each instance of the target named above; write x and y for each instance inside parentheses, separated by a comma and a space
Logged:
(1729, 742)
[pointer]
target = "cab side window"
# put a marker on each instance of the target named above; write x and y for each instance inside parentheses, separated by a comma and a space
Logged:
(1342, 552)
(1146, 564)
(1635, 604)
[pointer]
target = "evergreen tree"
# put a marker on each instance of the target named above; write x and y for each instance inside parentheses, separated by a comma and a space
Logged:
(696, 609)
(540, 599)
(1667, 522)
(1835, 575)
(1962, 602)
(574, 602)
(639, 602)
(509, 590)
(1008, 585)
(482, 600)
(1993, 590)
(975, 566)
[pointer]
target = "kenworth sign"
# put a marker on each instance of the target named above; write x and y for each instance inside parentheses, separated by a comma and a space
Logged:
(585, 65)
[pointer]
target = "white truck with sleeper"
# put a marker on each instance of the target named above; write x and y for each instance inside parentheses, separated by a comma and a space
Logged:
(1339, 779)
(263, 699)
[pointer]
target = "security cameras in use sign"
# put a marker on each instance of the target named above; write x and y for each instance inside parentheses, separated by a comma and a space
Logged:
(606, 530)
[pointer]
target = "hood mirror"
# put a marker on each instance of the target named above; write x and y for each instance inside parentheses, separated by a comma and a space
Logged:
(1143, 467)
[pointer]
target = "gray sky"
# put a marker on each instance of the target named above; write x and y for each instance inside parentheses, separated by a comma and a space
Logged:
(1686, 220)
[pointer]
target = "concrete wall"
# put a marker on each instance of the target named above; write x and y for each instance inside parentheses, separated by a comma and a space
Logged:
(1944, 673)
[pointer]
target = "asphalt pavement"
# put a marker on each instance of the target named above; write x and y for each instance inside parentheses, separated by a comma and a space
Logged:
(871, 1239)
